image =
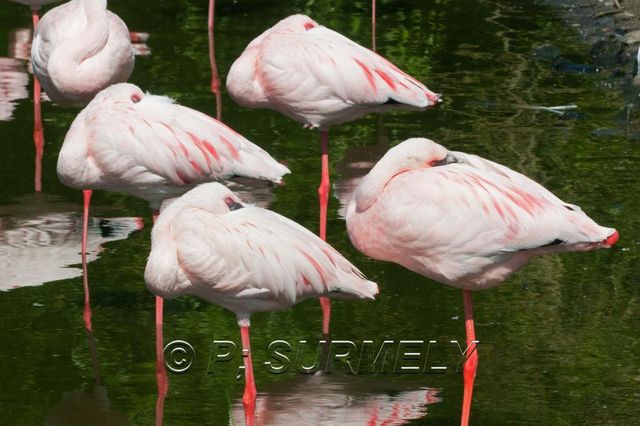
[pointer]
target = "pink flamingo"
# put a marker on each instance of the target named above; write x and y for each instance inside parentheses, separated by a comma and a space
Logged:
(78, 49)
(245, 259)
(319, 77)
(463, 221)
(154, 149)
(38, 133)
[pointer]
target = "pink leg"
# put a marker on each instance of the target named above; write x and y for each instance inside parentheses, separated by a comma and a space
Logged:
(373, 24)
(159, 300)
(161, 372)
(86, 194)
(249, 397)
(215, 79)
(38, 134)
(471, 364)
(35, 17)
(161, 376)
(323, 195)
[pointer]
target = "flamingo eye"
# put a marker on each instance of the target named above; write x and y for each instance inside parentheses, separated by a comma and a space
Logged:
(136, 98)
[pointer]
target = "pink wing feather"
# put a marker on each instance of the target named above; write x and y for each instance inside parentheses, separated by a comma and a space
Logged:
(467, 223)
(247, 260)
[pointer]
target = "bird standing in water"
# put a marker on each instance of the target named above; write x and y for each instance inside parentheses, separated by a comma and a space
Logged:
(149, 147)
(38, 133)
(80, 48)
(246, 259)
(319, 77)
(463, 221)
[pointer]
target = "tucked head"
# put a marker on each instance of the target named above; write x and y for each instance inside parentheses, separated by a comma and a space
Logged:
(120, 93)
(415, 153)
(412, 154)
(295, 24)
(213, 197)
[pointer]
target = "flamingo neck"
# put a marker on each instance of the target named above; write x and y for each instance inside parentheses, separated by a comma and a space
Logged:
(68, 66)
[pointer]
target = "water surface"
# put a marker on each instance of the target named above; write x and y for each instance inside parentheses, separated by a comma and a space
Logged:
(559, 340)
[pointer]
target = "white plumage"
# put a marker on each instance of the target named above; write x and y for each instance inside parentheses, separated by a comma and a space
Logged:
(152, 148)
(460, 219)
(242, 257)
(319, 77)
(80, 48)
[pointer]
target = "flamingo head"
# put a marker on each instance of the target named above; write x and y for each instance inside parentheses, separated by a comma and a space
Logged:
(212, 196)
(412, 154)
(120, 93)
(416, 153)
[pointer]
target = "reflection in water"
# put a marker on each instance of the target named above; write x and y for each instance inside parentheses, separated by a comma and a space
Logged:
(13, 86)
(39, 247)
(215, 78)
(373, 25)
(20, 45)
(330, 399)
(357, 162)
(252, 191)
(81, 408)
(139, 43)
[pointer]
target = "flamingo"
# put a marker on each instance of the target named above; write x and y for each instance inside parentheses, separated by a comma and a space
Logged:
(80, 48)
(246, 259)
(152, 148)
(319, 77)
(463, 221)
(38, 132)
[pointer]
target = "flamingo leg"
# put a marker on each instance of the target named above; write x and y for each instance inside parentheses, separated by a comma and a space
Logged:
(471, 363)
(38, 133)
(159, 300)
(323, 195)
(249, 397)
(215, 78)
(373, 25)
(161, 376)
(86, 194)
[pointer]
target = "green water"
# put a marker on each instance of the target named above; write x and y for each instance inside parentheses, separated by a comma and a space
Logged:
(559, 340)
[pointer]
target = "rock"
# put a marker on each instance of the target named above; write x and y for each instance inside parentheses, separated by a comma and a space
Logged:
(632, 37)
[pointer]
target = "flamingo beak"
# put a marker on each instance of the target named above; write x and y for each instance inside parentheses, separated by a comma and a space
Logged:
(611, 239)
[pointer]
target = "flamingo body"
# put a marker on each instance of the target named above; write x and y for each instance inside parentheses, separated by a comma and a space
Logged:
(80, 48)
(460, 219)
(150, 147)
(243, 258)
(319, 77)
